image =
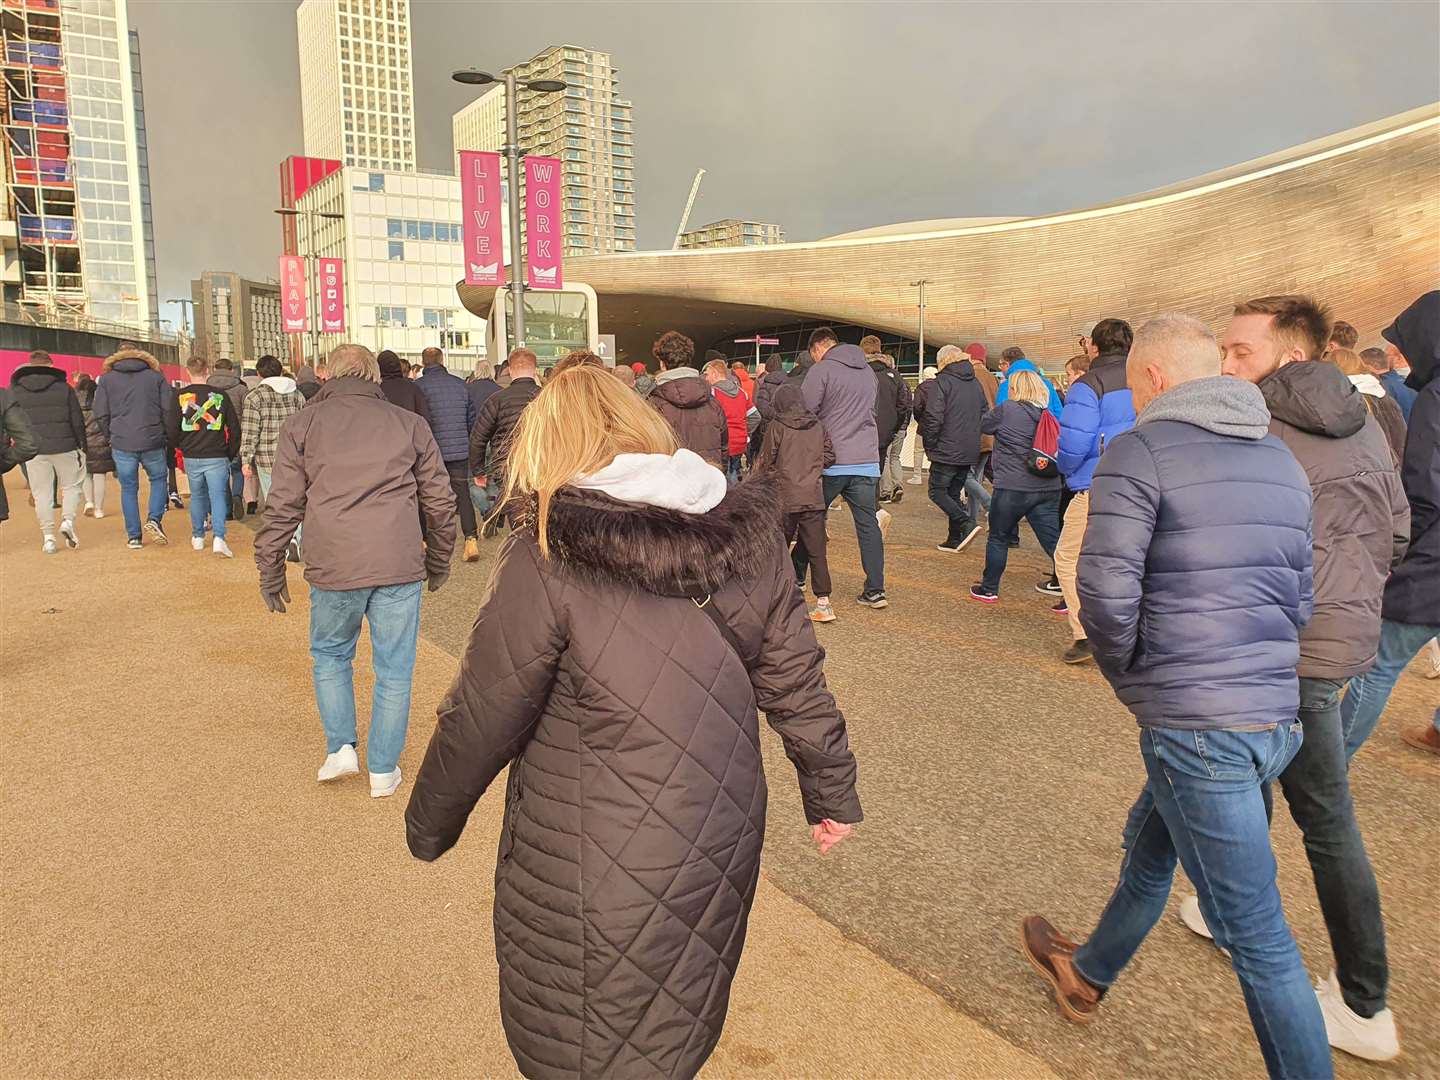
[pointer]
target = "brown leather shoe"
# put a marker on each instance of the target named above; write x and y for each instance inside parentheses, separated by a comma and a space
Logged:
(1050, 952)
(1426, 738)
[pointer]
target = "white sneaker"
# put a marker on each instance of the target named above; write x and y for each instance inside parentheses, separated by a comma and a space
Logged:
(915, 480)
(384, 783)
(67, 530)
(882, 517)
(221, 548)
(99, 513)
(49, 547)
(198, 543)
(342, 762)
(1374, 1039)
(1190, 915)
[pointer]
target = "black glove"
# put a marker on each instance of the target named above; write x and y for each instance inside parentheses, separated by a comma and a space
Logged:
(434, 581)
(276, 599)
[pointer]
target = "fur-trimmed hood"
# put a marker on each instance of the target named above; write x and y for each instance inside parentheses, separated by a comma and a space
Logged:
(131, 354)
(664, 552)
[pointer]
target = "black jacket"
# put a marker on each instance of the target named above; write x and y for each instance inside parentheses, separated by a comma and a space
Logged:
(954, 407)
(130, 401)
(17, 442)
(893, 403)
(51, 407)
(490, 437)
(402, 391)
(1412, 593)
(481, 391)
(98, 458)
(1013, 424)
(201, 422)
(795, 450)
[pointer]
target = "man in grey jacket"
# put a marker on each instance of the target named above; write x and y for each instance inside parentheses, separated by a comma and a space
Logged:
(840, 390)
(364, 477)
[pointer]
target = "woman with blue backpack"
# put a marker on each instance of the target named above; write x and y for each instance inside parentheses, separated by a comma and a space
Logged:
(1027, 480)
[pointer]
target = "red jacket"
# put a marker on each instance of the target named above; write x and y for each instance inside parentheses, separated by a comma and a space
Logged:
(735, 406)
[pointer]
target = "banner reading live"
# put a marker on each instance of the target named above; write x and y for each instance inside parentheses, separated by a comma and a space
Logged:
(292, 294)
(481, 213)
(542, 235)
(332, 296)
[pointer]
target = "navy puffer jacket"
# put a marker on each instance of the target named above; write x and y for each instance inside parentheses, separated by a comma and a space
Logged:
(452, 411)
(1195, 573)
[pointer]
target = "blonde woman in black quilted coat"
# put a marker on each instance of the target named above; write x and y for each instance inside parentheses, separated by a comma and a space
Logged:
(637, 618)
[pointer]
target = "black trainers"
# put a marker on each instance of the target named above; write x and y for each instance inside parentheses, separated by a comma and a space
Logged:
(292, 552)
(177, 502)
(897, 494)
(1078, 653)
(984, 595)
(157, 534)
(970, 534)
(1062, 608)
(1049, 588)
(872, 599)
(948, 545)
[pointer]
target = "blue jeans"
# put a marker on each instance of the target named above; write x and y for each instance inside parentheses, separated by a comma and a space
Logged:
(1202, 803)
(1368, 694)
(732, 468)
(393, 612)
(975, 489)
(1007, 508)
(127, 471)
(209, 494)
(862, 495)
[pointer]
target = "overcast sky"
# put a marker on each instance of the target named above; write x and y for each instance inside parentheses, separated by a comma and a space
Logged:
(824, 117)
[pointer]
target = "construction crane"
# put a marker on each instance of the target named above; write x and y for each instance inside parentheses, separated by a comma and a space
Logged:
(689, 205)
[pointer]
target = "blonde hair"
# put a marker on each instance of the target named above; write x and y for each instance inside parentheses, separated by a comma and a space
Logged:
(577, 425)
(1028, 386)
(1349, 362)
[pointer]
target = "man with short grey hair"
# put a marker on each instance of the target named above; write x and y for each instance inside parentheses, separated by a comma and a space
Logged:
(367, 481)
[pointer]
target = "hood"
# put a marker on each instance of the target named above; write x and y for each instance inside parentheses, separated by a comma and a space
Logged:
(877, 365)
(684, 391)
(1314, 397)
(281, 384)
(1025, 364)
(730, 387)
(659, 550)
(1219, 403)
(1416, 333)
(37, 377)
(224, 380)
(849, 355)
(788, 408)
(305, 374)
(348, 386)
(390, 364)
(130, 360)
(677, 373)
(959, 370)
(682, 481)
(1367, 384)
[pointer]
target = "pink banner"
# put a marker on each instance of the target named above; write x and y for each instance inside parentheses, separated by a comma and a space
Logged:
(481, 214)
(292, 294)
(332, 296)
(542, 218)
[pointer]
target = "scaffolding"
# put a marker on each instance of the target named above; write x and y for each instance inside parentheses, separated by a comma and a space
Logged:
(39, 175)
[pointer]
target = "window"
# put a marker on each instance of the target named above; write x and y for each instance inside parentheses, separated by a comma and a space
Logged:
(389, 316)
(377, 181)
(427, 230)
(394, 228)
(412, 230)
(397, 250)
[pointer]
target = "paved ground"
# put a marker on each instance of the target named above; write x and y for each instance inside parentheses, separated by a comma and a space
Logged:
(185, 896)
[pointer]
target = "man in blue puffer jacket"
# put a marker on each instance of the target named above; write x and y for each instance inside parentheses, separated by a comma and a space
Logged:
(1196, 578)
(1015, 360)
(452, 415)
(1097, 409)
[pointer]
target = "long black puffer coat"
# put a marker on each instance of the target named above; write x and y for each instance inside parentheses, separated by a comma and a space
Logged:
(635, 808)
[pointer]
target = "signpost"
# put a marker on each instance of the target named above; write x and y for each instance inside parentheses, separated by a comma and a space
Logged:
(757, 341)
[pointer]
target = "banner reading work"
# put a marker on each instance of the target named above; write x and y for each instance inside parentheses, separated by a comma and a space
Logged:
(332, 296)
(292, 294)
(542, 232)
(481, 214)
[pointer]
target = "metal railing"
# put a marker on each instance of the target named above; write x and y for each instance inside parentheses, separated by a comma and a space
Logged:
(31, 315)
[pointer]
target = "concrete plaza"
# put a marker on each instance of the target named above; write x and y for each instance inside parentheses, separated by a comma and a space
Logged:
(182, 899)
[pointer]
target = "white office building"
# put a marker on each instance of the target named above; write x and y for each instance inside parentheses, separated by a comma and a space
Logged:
(356, 95)
(108, 156)
(399, 235)
(480, 125)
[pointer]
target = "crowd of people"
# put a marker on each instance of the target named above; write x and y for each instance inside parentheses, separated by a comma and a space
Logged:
(1245, 540)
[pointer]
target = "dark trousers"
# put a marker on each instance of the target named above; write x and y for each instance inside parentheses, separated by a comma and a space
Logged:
(1317, 787)
(862, 495)
(1007, 508)
(460, 482)
(947, 491)
(806, 529)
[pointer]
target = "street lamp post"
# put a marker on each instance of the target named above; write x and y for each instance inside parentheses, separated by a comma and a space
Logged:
(312, 268)
(473, 77)
(920, 370)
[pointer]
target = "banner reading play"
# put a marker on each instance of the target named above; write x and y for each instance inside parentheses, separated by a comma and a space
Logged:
(542, 233)
(481, 213)
(332, 296)
(292, 294)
